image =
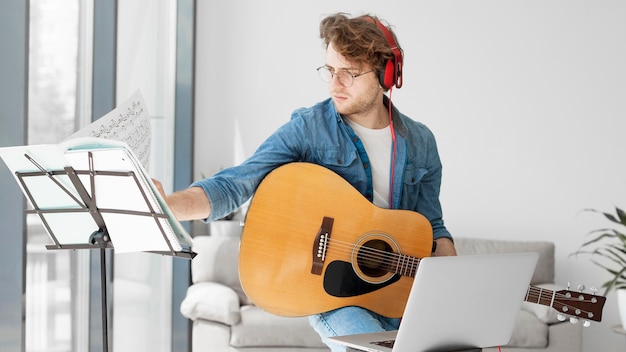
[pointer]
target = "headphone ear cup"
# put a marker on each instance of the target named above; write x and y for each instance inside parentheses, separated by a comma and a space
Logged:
(387, 76)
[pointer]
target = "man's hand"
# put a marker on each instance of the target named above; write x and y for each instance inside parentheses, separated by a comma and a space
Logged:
(445, 246)
(189, 204)
(159, 187)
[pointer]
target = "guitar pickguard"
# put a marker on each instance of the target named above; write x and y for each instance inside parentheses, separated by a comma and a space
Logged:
(340, 280)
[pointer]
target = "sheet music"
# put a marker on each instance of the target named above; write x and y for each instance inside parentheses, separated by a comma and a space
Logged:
(129, 123)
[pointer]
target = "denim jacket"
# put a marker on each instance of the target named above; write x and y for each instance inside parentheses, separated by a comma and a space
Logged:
(319, 135)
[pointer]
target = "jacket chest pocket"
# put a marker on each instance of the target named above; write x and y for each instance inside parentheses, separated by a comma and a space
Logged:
(413, 176)
(334, 158)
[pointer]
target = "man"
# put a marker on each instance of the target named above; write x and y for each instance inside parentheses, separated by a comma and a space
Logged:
(357, 133)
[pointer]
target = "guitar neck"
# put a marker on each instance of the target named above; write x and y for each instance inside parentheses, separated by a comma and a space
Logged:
(540, 296)
(576, 304)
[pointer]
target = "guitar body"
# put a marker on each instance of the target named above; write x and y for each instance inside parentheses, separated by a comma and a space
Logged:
(312, 243)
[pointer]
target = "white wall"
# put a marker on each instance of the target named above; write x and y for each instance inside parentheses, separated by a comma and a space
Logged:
(527, 99)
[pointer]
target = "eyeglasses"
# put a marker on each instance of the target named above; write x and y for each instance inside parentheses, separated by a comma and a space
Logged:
(345, 78)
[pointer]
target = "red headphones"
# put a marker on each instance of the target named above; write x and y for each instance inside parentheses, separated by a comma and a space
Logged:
(392, 73)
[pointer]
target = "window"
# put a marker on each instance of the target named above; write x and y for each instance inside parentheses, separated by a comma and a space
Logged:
(56, 305)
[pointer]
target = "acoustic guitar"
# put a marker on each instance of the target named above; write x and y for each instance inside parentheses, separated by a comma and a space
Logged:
(312, 243)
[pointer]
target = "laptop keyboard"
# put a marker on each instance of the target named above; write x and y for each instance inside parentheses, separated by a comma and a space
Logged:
(385, 343)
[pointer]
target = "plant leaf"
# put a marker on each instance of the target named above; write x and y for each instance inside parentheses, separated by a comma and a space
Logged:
(609, 216)
(622, 215)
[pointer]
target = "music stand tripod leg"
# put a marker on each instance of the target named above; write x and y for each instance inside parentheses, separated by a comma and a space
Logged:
(101, 237)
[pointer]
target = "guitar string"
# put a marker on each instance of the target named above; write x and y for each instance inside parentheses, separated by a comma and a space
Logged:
(401, 262)
(536, 295)
(545, 294)
(372, 253)
(392, 260)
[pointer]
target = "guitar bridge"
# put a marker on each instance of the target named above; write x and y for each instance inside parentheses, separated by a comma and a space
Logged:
(320, 245)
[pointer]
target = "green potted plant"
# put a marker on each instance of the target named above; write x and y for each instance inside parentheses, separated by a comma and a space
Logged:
(610, 245)
(607, 246)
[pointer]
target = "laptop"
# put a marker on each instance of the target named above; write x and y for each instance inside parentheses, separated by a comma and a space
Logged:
(457, 303)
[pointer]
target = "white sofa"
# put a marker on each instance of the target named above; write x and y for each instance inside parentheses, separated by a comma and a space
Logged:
(225, 320)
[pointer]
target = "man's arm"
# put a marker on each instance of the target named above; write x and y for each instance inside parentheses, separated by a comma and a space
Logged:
(189, 204)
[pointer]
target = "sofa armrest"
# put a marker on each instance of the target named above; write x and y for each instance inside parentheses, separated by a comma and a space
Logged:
(211, 301)
(544, 272)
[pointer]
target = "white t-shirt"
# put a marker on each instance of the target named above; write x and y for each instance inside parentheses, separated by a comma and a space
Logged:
(377, 143)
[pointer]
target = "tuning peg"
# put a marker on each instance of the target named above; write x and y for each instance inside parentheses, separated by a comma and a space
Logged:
(586, 323)
(573, 320)
(581, 288)
(593, 290)
(561, 317)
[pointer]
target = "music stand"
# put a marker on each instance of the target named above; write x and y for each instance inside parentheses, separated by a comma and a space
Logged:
(79, 204)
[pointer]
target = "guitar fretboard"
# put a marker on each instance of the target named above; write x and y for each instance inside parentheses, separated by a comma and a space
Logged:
(404, 265)
(540, 295)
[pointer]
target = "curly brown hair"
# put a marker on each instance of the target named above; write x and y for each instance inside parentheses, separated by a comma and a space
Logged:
(359, 39)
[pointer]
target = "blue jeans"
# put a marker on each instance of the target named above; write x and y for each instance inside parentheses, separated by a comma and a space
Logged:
(349, 321)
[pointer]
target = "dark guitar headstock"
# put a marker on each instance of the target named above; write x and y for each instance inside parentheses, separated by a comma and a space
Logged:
(576, 305)
(579, 305)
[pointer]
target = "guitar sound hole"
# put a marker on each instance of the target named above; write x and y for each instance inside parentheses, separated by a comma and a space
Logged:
(373, 258)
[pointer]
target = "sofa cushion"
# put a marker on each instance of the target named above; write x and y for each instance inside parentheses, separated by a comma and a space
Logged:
(218, 261)
(529, 331)
(211, 301)
(544, 272)
(258, 328)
